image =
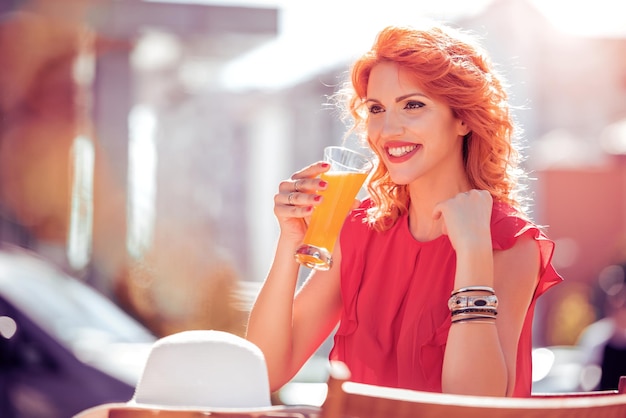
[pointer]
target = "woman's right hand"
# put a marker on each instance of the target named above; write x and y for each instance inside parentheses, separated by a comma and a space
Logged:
(296, 197)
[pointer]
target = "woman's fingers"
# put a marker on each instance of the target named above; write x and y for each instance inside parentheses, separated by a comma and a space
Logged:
(297, 195)
(300, 199)
(305, 180)
(301, 189)
(465, 217)
(303, 185)
(313, 170)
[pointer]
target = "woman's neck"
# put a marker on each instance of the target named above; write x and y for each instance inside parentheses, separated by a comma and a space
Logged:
(424, 196)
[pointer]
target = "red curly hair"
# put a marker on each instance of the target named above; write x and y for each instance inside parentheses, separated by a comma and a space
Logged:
(454, 68)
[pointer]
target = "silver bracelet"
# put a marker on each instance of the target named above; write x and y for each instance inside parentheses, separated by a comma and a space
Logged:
(458, 302)
(477, 319)
(474, 289)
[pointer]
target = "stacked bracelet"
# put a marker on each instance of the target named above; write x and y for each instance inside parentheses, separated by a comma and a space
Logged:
(474, 289)
(469, 308)
(477, 319)
(457, 302)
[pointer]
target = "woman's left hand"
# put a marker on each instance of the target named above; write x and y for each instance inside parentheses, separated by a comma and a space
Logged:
(466, 218)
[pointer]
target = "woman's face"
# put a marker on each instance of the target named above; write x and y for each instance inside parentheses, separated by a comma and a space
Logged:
(415, 135)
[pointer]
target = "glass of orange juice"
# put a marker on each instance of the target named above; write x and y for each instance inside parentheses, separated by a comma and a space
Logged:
(347, 173)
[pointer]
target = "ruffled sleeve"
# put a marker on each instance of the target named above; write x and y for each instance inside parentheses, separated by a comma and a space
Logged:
(507, 227)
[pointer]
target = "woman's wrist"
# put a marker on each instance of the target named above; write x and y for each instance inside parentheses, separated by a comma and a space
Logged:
(474, 267)
(474, 243)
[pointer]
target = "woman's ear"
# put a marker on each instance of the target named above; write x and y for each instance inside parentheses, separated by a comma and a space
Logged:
(462, 128)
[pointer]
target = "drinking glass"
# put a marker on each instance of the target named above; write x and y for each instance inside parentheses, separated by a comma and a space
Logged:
(347, 173)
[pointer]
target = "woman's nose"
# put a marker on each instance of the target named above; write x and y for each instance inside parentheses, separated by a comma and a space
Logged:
(392, 124)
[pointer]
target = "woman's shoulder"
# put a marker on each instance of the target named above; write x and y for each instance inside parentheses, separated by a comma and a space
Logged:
(508, 224)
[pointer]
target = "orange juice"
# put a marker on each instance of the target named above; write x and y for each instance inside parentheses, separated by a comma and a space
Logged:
(349, 169)
(338, 198)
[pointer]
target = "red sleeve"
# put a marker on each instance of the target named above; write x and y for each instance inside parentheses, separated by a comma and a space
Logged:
(507, 227)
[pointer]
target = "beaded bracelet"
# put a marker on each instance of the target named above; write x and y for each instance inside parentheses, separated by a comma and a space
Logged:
(465, 311)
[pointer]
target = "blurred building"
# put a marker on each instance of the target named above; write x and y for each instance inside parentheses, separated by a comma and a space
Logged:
(121, 162)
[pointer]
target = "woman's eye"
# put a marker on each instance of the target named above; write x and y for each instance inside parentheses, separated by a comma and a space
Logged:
(375, 109)
(413, 105)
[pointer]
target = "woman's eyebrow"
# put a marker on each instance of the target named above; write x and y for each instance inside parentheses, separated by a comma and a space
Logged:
(398, 99)
(406, 96)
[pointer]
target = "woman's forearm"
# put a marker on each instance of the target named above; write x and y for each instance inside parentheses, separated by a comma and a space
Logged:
(474, 361)
(270, 321)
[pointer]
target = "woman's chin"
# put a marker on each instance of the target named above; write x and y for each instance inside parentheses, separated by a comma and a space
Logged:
(401, 180)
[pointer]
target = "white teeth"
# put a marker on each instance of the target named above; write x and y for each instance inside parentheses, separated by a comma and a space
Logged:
(400, 151)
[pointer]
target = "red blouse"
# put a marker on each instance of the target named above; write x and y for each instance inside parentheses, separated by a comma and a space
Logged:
(395, 319)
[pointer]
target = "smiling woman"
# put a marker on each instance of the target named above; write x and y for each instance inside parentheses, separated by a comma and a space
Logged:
(439, 249)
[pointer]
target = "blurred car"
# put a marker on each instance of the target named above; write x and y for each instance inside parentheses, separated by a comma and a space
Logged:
(64, 346)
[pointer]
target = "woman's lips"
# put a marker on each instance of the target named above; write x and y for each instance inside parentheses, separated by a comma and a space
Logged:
(400, 152)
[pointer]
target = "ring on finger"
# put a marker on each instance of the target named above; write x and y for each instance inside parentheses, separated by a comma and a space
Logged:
(296, 186)
(290, 199)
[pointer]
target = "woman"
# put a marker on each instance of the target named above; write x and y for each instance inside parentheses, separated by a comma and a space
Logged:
(436, 275)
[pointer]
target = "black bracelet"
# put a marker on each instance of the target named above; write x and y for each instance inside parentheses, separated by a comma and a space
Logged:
(465, 311)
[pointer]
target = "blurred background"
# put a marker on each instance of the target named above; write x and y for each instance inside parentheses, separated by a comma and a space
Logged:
(141, 144)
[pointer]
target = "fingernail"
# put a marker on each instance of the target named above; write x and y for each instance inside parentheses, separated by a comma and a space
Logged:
(317, 198)
(309, 209)
(325, 165)
(323, 183)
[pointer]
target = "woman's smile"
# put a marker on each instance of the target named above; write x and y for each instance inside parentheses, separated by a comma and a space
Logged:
(398, 152)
